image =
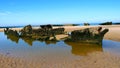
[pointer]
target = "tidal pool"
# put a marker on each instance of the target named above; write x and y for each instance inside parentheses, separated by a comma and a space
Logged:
(36, 50)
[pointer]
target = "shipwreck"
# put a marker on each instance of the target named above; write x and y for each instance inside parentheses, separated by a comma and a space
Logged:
(45, 32)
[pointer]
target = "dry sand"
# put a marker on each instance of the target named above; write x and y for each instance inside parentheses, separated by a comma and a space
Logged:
(94, 60)
(114, 32)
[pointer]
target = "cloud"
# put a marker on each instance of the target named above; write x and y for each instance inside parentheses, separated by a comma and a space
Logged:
(1, 13)
(5, 13)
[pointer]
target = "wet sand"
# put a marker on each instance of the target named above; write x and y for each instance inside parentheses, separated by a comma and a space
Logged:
(93, 60)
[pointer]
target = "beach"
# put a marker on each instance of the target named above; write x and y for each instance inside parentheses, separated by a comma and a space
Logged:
(93, 60)
(113, 33)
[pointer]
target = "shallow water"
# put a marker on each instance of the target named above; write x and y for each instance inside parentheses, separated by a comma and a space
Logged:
(111, 47)
(36, 50)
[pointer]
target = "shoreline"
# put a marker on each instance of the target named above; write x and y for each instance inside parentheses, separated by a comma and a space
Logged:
(112, 34)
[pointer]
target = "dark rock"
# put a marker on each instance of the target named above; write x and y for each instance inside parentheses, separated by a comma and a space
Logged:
(106, 23)
(86, 24)
(89, 35)
(42, 33)
(47, 27)
(27, 30)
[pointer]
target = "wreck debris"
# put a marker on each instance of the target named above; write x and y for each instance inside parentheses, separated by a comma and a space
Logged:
(47, 33)
(88, 35)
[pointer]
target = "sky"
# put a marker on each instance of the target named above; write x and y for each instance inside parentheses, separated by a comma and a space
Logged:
(37, 12)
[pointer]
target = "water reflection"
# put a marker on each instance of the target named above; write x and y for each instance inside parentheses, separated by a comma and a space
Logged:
(83, 49)
(49, 49)
(29, 40)
(51, 42)
(13, 38)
